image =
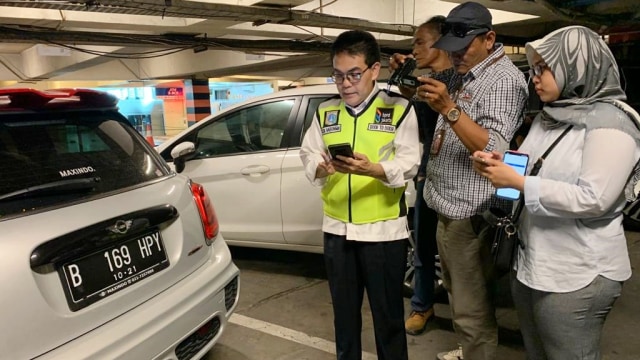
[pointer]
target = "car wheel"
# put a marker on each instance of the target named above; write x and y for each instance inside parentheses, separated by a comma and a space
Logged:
(439, 293)
(409, 273)
(630, 220)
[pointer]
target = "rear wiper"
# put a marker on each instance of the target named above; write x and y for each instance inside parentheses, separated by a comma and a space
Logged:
(56, 187)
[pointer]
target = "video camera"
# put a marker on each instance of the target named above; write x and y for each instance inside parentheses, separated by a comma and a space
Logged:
(401, 76)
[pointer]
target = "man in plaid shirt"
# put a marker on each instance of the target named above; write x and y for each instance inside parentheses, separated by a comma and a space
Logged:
(482, 111)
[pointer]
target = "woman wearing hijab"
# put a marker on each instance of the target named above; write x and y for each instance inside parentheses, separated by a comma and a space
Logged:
(573, 256)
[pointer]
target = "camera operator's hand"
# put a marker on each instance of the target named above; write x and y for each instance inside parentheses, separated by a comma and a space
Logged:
(395, 61)
(435, 93)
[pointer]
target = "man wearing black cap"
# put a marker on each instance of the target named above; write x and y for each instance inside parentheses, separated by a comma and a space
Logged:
(482, 112)
(424, 218)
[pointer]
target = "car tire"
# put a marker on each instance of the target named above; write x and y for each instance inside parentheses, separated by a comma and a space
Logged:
(630, 219)
(410, 270)
(409, 274)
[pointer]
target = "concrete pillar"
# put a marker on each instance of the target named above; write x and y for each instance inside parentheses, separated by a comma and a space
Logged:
(197, 98)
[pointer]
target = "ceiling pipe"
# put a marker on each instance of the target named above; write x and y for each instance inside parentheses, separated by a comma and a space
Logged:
(595, 20)
(13, 34)
(211, 11)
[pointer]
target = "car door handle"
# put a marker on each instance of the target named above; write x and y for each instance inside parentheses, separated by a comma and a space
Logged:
(255, 170)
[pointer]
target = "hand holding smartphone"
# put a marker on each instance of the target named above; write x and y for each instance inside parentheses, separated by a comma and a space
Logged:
(343, 149)
(519, 162)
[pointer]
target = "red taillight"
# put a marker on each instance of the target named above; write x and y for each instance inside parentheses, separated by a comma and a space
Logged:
(207, 213)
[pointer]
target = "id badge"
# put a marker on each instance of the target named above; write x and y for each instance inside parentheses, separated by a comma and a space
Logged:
(438, 139)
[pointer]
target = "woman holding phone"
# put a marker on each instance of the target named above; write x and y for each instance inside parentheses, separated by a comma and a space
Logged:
(574, 258)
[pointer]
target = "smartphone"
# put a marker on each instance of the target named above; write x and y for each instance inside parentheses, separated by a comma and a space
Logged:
(519, 162)
(343, 149)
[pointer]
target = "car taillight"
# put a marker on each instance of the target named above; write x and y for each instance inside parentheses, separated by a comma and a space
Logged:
(207, 213)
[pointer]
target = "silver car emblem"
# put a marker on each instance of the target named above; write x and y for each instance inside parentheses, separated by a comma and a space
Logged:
(120, 227)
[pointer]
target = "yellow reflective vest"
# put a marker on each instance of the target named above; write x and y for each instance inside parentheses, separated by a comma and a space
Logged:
(362, 199)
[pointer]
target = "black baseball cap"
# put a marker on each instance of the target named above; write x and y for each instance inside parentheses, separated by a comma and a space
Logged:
(463, 24)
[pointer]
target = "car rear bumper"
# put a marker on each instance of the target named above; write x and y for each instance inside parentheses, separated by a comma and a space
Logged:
(155, 328)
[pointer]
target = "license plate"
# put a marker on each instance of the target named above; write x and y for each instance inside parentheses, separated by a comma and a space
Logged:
(99, 275)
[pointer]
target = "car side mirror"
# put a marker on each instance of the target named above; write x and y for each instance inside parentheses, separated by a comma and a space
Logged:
(180, 153)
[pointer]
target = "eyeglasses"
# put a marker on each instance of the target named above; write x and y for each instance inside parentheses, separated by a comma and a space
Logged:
(461, 30)
(354, 77)
(538, 69)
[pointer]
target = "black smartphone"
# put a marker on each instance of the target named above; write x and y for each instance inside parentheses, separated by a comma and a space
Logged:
(343, 149)
(519, 162)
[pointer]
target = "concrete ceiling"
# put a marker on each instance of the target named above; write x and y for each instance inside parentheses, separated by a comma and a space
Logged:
(172, 39)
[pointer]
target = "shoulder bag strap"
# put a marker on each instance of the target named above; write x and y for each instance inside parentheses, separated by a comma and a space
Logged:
(536, 170)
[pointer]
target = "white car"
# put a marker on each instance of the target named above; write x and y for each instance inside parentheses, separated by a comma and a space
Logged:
(247, 157)
(105, 253)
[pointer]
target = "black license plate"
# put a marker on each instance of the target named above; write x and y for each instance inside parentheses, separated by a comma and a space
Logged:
(97, 276)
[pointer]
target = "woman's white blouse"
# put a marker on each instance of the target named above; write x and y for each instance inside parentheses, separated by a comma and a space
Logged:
(571, 226)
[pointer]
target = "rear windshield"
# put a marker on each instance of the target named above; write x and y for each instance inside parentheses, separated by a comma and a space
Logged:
(60, 158)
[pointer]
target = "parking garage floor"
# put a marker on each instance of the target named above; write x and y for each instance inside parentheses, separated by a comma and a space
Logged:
(285, 314)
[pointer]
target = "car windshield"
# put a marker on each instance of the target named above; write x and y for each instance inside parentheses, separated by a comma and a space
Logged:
(55, 158)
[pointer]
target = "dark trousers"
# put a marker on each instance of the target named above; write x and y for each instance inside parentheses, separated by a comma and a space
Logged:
(425, 222)
(378, 267)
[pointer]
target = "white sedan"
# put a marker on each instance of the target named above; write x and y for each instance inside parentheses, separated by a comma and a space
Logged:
(247, 158)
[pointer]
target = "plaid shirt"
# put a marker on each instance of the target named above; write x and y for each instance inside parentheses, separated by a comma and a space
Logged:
(493, 94)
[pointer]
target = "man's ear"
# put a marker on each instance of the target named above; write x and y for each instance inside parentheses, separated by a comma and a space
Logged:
(490, 40)
(375, 70)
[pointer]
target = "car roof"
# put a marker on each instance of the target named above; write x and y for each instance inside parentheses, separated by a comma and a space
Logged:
(322, 89)
(303, 90)
(21, 99)
(311, 90)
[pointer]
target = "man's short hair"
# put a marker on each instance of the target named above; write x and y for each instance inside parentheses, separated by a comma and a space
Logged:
(357, 42)
(434, 25)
